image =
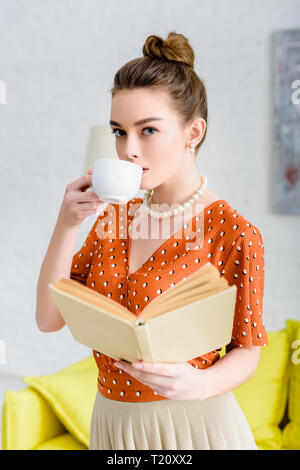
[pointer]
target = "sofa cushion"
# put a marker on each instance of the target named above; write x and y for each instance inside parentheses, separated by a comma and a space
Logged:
(263, 397)
(291, 432)
(71, 392)
(63, 442)
(27, 420)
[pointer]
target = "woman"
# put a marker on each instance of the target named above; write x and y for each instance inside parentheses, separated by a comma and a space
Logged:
(159, 118)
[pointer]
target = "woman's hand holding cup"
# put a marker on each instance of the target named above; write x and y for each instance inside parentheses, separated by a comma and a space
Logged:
(78, 203)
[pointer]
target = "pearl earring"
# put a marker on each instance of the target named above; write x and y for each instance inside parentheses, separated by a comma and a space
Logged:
(193, 148)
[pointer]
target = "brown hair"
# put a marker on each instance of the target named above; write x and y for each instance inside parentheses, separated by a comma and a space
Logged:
(168, 64)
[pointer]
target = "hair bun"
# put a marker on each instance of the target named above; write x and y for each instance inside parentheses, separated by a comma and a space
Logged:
(176, 48)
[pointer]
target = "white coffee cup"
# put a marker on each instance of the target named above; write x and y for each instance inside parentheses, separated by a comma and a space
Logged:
(116, 181)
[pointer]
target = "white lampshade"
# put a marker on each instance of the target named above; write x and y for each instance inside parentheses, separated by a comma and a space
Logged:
(101, 144)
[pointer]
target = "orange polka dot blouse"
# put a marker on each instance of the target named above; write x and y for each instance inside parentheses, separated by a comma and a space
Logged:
(229, 242)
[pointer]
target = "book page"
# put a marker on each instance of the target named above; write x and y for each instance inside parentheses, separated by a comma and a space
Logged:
(184, 299)
(204, 280)
(200, 284)
(95, 298)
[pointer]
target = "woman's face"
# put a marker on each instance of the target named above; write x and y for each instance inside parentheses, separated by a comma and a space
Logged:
(158, 144)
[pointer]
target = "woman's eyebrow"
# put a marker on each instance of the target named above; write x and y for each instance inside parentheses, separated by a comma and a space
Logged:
(138, 123)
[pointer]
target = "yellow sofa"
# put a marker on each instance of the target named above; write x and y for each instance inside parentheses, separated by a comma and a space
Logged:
(54, 411)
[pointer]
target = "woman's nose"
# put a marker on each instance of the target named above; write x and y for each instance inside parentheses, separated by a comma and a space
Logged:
(131, 148)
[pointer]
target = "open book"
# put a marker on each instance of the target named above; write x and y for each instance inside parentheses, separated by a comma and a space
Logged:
(190, 319)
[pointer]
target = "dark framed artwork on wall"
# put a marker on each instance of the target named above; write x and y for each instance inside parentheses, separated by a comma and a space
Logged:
(286, 87)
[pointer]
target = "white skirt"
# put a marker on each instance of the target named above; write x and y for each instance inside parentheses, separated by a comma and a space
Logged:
(216, 423)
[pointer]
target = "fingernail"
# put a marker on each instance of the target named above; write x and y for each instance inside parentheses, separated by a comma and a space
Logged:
(117, 364)
(137, 365)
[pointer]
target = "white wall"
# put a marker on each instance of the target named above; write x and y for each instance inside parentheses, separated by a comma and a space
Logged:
(58, 60)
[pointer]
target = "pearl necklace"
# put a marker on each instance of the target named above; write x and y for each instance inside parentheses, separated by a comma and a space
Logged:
(180, 207)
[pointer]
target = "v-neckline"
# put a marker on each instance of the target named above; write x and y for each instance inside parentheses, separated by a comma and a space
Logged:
(129, 276)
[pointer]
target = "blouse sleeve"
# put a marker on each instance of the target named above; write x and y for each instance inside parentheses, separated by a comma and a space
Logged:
(82, 259)
(244, 267)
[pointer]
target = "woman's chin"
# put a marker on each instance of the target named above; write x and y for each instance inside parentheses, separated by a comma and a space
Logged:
(144, 186)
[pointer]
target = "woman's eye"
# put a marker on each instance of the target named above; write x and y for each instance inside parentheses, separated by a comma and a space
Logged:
(145, 128)
(115, 130)
(149, 128)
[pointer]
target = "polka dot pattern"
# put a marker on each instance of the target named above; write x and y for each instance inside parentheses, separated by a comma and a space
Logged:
(219, 235)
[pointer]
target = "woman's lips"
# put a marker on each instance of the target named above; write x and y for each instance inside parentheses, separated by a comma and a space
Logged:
(145, 170)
